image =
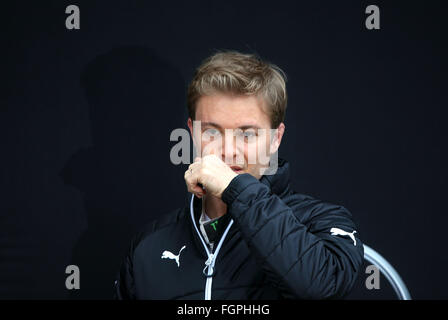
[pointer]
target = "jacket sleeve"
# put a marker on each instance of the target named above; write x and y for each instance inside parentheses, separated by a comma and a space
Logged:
(293, 242)
(124, 284)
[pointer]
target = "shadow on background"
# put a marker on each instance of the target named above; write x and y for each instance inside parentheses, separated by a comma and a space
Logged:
(124, 176)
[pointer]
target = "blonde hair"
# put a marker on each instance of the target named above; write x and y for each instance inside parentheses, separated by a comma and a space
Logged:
(238, 73)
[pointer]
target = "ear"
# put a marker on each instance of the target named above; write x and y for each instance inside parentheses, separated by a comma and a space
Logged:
(277, 138)
(190, 126)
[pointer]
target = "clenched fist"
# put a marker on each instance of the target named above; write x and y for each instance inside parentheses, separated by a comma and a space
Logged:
(210, 172)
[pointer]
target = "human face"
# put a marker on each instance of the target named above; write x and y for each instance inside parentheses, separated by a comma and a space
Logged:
(236, 129)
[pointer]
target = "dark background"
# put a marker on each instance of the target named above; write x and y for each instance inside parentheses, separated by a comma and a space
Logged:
(85, 118)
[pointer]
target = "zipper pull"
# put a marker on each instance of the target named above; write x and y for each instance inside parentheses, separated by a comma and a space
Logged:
(207, 265)
(209, 260)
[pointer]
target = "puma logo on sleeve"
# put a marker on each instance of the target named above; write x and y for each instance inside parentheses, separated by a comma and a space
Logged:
(340, 232)
(168, 255)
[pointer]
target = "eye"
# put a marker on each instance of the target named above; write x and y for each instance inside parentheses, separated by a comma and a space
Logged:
(249, 134)
(211, 133)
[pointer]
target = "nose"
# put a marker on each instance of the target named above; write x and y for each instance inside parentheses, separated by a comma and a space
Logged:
(232, 149)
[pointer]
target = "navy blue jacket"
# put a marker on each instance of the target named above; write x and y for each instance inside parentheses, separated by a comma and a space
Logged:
(278, 244)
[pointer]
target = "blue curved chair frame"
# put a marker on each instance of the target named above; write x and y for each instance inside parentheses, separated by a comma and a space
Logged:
(388, 271)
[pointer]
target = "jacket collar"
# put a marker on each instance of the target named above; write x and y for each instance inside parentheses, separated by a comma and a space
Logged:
(279, 183)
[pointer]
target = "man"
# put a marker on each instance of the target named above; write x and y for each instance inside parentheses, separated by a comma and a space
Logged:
(244, 234)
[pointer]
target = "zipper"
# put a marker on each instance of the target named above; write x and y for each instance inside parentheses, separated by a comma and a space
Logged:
(208, 282)
(211, 257)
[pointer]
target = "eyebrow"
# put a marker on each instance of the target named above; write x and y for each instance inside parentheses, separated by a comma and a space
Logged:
(244, 127)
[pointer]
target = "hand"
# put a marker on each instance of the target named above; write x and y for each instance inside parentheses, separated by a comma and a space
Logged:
(210, 172)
